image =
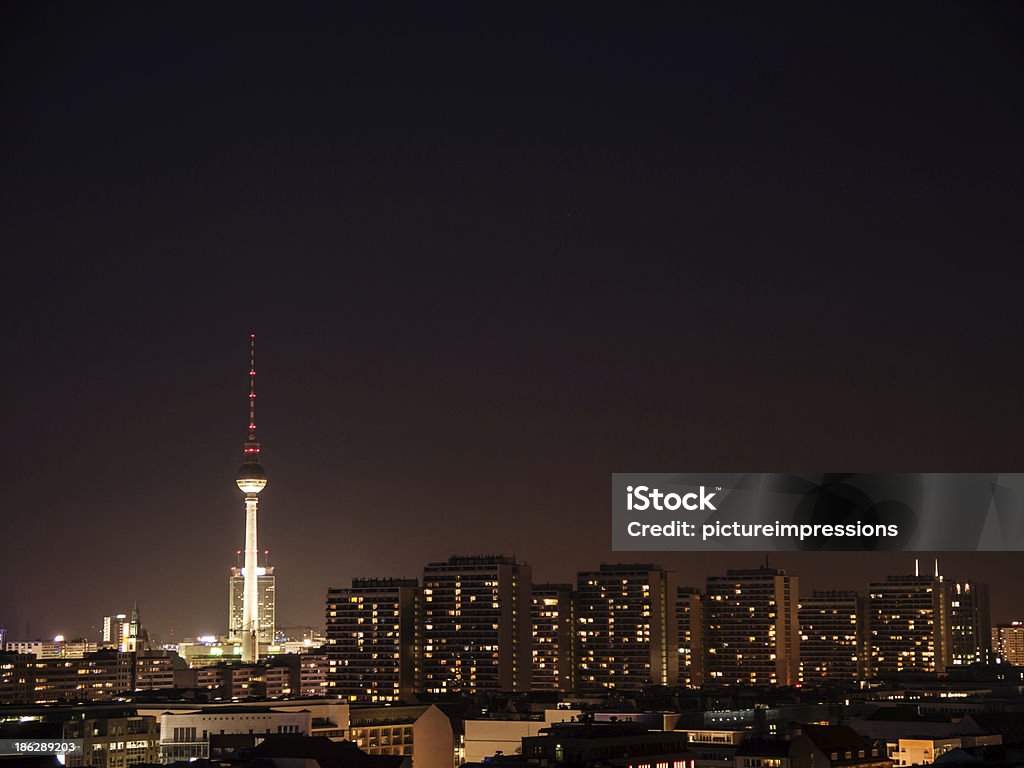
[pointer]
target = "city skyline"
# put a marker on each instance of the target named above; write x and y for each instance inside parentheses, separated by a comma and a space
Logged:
(478, 623)
(744, 561)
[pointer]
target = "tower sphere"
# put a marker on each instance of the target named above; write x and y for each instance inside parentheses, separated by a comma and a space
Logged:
(251, 477)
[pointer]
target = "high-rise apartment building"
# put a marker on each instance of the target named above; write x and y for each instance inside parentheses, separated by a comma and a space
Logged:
(909, 626)
(372, 640)
(833, 637)
(552, 637)
(476, 625)
(690, 620)
(266, 603)
(970, 623)
(752, 629)
(1008, 642)
(626, 632)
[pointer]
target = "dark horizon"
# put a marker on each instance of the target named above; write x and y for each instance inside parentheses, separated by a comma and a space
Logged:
(490, 260)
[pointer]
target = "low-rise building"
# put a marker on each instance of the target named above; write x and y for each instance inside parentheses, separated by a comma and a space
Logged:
(114, 742)
(16, 677)
(629, 745)
(110, 735)
(714, 748)
(185, 734)
(424, 733)
(813, 746)
(486, 737)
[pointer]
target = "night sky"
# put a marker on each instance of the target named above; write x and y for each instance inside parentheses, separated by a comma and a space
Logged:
(491, 255)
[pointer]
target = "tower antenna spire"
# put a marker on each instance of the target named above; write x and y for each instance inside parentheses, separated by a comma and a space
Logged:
(252, 445)
(252, 386)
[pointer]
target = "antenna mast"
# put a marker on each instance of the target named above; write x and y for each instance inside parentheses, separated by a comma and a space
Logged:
(252, 386)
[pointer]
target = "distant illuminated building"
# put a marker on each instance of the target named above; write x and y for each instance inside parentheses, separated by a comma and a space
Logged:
(476, 625)
(112, 741)
(1008, 642)
(282, 676)
(266, 603)
(371, 640)
(207, 651)
(121, 631)
(626, 631)
(552, 637)
(17, 677)
(833, 637)
(970, 623)
(690, 619)
(58, 648)
(114, 629)
(233, 681)
(313, 669)
(156, 669)
(97, 676)
(752, 628)
(909, 625)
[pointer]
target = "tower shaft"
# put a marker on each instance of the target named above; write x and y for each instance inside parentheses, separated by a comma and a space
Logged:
(250, 599)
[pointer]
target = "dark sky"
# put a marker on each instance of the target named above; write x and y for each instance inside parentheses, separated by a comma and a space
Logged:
(492, 255)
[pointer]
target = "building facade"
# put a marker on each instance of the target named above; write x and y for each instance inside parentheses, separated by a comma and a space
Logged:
(372, 647)
(53, 649)
(1008, 642)
(17, 677)
(626, 630)
(266, 603)
(98, 676)
(551, 619)
(233, 680)
(185, 735)
(752, 628)
(690, 620)
(424, 733)
(476, 625)
(314, 667)
(833, 637)
(909, 625)
(156, 669)
(114, 742)
(970, 623)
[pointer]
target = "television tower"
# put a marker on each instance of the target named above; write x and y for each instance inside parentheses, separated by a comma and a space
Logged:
(251, 479)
